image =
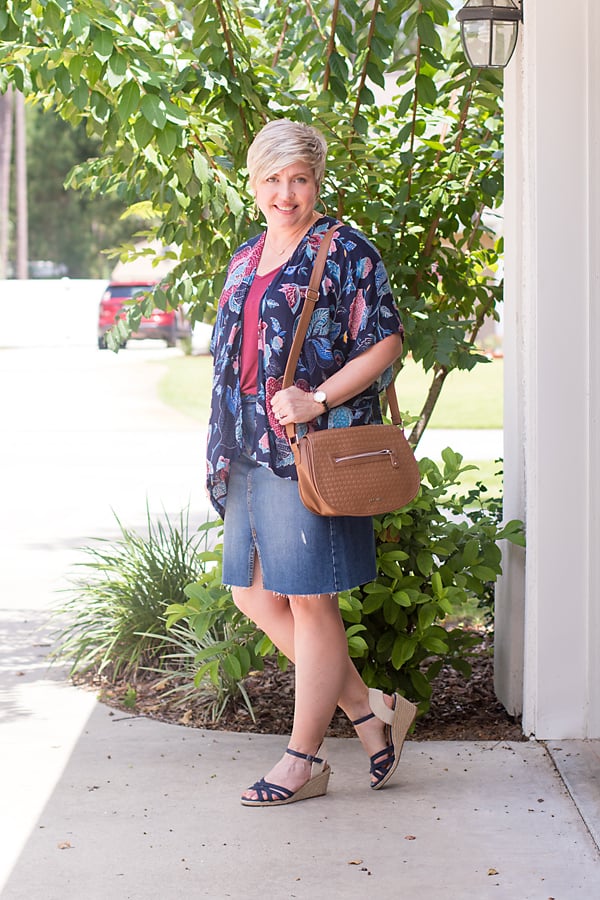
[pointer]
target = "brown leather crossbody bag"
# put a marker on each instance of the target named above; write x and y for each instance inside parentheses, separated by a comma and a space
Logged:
(363, 470)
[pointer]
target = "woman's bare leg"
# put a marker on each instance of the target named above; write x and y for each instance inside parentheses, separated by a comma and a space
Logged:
(310, 632)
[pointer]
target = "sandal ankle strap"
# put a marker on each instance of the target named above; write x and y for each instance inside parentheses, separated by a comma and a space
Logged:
(363, 719)
(306, 756)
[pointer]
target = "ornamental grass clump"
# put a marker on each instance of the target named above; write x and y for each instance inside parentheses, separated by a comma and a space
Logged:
(113, 620)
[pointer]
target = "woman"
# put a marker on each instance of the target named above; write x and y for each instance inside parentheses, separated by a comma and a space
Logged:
(284, 564)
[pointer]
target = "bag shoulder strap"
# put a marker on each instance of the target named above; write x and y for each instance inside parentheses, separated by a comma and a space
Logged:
(312, 295)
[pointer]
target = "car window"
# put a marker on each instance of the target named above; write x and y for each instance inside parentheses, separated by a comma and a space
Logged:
(127, 290)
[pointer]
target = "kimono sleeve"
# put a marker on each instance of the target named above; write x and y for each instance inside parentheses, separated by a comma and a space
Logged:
(371, 308)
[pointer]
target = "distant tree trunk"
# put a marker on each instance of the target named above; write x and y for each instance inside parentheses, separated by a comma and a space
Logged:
(6, 131)
(21, 178)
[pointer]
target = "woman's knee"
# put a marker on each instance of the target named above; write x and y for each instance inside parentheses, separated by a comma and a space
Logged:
(259, 605)
(242, 599)
(314, 605)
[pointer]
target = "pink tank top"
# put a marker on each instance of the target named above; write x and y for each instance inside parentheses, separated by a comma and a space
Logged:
(250, 335)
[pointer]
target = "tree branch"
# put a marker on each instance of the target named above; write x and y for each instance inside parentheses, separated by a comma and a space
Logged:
(279, 46)
(231, 55)
(313, 16)
(331, 43)
(363, 74)
(413, 129)
(440, 373)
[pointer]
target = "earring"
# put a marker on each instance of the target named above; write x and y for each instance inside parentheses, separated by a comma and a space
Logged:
(254, 210)
(323, 204)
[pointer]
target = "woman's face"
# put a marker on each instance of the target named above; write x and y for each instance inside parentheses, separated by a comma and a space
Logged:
(287, 198)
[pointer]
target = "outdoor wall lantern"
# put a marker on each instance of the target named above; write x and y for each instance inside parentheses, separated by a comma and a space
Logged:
(489, 30)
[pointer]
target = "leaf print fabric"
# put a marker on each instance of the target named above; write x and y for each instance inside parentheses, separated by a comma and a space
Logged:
(355, 310)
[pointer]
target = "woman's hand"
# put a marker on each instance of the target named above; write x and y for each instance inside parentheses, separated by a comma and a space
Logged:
(293, 406)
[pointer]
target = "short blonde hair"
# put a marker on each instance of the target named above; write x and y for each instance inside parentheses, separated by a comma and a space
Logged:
(282, 143)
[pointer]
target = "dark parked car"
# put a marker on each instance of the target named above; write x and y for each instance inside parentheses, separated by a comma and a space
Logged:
(167, 325)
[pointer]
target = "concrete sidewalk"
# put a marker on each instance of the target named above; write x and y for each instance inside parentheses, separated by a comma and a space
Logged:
(106, 806)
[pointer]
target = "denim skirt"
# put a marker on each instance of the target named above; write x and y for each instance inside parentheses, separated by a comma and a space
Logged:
(300, 553)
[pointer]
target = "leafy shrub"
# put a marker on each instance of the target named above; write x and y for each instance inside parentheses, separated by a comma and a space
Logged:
(435, 558)
(210, 640)
(157, 602)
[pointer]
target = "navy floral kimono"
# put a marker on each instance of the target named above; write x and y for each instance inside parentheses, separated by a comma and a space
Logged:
(355, 310)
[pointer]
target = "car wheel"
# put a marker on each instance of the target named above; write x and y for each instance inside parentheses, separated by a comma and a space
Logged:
(102, 343)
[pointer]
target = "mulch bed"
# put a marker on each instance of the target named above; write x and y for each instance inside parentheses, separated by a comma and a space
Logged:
(461, 709)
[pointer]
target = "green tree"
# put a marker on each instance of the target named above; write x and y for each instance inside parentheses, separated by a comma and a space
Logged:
(175, 92)
(69, 227)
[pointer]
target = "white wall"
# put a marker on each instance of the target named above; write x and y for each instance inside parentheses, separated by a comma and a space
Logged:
(552, 332)
(48, 313)
(59, 312)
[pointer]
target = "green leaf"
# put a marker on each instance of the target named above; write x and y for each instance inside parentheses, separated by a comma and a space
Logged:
(420, 684)
(434, 644)
(373, 602)
(357, 647)
(484, 573)
(128, 101)
(402, 598)
(390, 611)
(200, 166)
(436, 584)
(102, 45)
(232, 666)
(425, 562)
(470, 553)
(80, 25)
(427, 31)
(462, 666)
(426, 90)
(427, 615)
(80, 95)
(338, 66)
(405, 103)
(143, 132)
(402, 651)
(167, 140)
(153, 110)
(116, 71)
(396, 555)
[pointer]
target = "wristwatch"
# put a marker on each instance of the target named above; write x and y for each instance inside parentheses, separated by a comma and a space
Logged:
(321, 397)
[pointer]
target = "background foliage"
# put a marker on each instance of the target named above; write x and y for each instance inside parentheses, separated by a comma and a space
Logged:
(70, 227)
(174, 92)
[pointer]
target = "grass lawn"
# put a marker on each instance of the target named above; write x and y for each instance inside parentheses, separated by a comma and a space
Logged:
(186, 386)
(468, 399)
(488, 471)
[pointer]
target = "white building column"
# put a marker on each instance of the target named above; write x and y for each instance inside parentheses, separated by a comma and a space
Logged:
(548, 619)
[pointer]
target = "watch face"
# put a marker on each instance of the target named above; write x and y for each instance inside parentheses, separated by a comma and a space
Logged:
(320, 396)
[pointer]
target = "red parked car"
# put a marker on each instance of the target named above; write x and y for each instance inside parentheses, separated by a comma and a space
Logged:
(168, 326)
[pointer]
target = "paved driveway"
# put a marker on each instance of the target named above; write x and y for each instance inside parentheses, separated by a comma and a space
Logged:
(84, 434)
(113, 807)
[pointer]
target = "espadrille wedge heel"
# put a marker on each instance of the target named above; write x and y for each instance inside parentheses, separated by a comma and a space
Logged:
(398, 720)
(269, 794)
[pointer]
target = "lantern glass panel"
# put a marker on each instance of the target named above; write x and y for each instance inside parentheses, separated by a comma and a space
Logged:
(503, 42)
(477, 36)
